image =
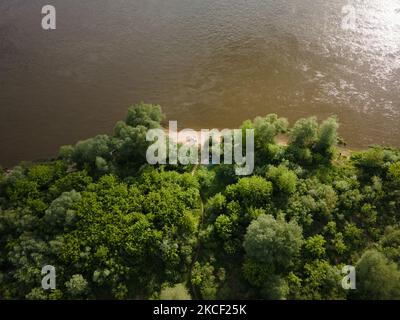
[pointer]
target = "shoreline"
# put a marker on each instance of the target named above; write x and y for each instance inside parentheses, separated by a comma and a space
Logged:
(281, 140)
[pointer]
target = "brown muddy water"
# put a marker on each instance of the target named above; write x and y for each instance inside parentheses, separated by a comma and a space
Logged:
(209, 63)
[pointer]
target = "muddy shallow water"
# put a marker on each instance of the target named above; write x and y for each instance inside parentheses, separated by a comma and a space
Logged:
(210, 64)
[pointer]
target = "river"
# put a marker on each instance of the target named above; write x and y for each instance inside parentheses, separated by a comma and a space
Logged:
(209, 63)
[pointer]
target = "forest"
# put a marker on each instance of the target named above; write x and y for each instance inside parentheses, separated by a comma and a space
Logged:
(115, 227)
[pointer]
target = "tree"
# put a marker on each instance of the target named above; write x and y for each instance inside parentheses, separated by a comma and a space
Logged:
(1, 174)
(146, 115)
(322, 281)
(266, 129)
(77, 286)
(271, 247)
(86, 152)
(177, 292)
(204, 279)
(61, 213)
(132, 238)
(378, 278)
(327, 137)
(123, 152)
(284, 179)
(130, 150)
(250, 192)
(390, 243)
(275, 288)
(394, 173)
(273, 242)
(315, 246)
(310, 142)
(77, 181)
(304, 133)
(371, 162)
(116, 227)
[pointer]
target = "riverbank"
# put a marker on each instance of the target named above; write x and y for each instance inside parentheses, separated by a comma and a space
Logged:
(186, 138)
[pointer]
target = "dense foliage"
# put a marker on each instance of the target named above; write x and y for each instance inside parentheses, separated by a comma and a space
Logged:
(115, 227)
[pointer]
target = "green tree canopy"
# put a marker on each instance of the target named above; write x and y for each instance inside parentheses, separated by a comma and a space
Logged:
(377, 277)
(274, 242)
